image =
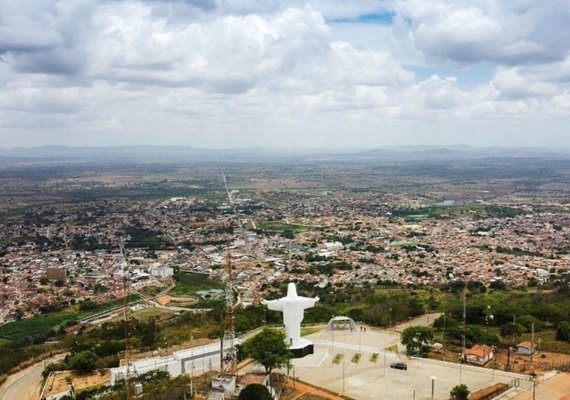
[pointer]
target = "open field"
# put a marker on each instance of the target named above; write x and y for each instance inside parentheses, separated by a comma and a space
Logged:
(279, 226)
(152, 312)
(42, 325)
(189, 284)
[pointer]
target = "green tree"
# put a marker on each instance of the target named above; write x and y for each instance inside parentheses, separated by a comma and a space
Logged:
(459, 392)
(269, 349)
(563, 331)
(87, 304)
(83, 362)
(510, 329)
(417, 340)
(255, 391)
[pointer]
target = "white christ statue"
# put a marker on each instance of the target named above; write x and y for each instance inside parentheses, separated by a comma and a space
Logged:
(292, 307)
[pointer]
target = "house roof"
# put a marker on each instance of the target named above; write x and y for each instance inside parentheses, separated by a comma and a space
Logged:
(527, 345)
(479, 350)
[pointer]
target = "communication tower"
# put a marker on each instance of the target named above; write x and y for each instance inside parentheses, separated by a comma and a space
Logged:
(229, 351)
(126, 292)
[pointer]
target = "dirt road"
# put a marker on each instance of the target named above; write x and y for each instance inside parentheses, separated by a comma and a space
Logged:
(25, 385)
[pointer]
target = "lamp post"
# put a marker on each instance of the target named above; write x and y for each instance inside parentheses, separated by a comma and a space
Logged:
(390, 324)
(343, 354)
(433, 379)
(443, 339)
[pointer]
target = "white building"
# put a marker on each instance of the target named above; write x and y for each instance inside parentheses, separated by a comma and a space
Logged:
(161, 272)
(196, 360)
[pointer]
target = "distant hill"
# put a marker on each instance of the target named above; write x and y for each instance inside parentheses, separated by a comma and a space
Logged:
(188, 154)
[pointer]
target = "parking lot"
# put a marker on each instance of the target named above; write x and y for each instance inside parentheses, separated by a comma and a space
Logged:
(372, 378)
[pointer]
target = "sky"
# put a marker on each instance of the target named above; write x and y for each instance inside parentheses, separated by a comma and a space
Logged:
(284, 74)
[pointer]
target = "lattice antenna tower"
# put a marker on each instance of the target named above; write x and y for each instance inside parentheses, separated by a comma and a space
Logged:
(126, 292)
(241, 227)
(229, 351)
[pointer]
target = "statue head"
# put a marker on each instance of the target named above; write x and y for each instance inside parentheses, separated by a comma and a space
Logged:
(291, 290)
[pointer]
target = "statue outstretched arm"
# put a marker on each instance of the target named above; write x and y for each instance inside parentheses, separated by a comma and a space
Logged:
(275, 305)
(308, 302)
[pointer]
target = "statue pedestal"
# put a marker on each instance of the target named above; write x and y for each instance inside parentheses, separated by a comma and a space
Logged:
(304, 348)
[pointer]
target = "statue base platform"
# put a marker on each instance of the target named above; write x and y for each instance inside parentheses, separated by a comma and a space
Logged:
(305, 348)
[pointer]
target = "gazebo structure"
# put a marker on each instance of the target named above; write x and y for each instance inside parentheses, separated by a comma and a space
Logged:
(341, 322)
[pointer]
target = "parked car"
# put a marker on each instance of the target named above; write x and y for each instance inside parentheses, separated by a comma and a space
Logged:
(399, 365)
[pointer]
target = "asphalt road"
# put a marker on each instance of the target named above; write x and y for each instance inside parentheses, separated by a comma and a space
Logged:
(25, 385)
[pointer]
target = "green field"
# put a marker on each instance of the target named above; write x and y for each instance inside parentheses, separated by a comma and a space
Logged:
(279, 226)
(189, 284)
(150, 313)
(48, 324)
(41, 325)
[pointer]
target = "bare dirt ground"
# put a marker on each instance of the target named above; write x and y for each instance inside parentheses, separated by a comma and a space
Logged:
(542, 360)
(58, 383)
(166, 299)
(295, 390)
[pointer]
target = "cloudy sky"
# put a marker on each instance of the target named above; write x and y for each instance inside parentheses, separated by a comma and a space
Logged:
(289, 73)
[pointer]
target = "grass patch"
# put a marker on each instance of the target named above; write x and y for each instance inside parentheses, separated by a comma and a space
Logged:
(40, 325)
(392, 349)
(105, 307)
(151, 312)
(374, 357)
(309, 330)
(356, 358)
(189, 284)
(337, 358)
(46, 325)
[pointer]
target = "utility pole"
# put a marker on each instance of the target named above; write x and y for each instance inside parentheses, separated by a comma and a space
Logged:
(464, 322)
(532, 348)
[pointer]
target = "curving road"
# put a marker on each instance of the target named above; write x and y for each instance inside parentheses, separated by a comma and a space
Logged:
(25, 385)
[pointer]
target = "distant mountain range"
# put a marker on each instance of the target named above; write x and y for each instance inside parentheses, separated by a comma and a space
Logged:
(187, 153)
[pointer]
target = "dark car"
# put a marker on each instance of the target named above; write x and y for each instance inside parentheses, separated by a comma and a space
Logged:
(399, 365)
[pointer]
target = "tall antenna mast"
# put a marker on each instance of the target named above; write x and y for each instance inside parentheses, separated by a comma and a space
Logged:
(229, 351)
(242, 229)
(126, 291)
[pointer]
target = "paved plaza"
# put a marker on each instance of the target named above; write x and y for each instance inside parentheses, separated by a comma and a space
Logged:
(371, 378)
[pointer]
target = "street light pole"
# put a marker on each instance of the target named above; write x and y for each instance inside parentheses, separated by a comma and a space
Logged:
(343, 357)
(433, 378)
(390, 325)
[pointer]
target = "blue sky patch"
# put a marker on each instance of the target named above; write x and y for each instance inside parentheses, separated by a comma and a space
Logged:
(380, 17)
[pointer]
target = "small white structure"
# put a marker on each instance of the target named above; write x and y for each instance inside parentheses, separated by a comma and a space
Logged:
(161, 271)
(293, 306)
(341, 322)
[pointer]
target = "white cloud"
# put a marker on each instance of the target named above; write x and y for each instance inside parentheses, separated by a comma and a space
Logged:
(504, 32)
(223, 72)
